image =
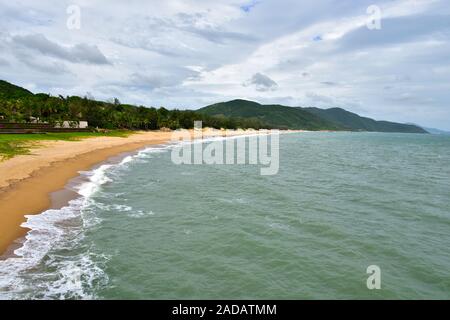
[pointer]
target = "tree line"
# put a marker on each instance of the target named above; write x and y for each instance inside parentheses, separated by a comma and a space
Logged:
(110, 115)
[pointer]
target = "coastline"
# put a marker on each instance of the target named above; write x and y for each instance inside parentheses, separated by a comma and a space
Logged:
(29, 183)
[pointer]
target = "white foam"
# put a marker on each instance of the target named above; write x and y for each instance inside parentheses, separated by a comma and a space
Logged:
(122, 208)
(97, 178)
(53, 229)
(126, 160)
(140, 214)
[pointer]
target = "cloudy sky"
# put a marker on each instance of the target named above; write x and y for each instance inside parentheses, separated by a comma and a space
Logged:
(191, 53)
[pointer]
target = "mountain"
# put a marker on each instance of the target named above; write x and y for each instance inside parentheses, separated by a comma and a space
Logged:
(354, 122)
(276, 116)
(437, 131)
(284, 117)
(11, 91)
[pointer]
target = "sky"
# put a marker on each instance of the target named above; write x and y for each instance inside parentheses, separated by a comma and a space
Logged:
(389, 60)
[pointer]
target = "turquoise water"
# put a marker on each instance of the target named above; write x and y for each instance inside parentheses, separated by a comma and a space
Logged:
(148, 229)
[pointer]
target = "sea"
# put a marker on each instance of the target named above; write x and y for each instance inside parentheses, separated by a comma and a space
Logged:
(341, 206)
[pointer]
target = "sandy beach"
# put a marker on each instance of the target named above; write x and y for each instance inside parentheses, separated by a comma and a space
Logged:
(26, 181)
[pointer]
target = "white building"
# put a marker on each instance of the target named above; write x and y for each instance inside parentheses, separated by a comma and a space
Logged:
(73, 124)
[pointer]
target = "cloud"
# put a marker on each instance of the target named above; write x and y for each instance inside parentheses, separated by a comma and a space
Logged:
(317, 99)
(249, 6)
(198, 25)
(42, 65)
(317, 38)
(4, 62)
(220, 36)
(79, 53)
(329, 83)
(152, 81)
(261, 83)
(397, 30)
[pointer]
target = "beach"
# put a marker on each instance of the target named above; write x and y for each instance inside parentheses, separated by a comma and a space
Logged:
(27, 181)
(140, 226)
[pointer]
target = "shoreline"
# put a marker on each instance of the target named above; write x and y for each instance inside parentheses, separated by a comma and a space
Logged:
(32, 193)
(31, 184)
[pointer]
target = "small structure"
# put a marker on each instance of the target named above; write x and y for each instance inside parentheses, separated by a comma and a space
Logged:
(72, 125)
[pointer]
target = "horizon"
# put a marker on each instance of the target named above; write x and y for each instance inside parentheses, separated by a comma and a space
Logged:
(190, 54)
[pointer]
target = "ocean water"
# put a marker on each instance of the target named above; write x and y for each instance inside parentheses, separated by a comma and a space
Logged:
(145, 228)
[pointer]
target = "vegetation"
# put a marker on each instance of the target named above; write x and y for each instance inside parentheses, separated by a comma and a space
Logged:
(16, 144)
(352, 121)
(276, 116)
(283, 117)
(20, 105)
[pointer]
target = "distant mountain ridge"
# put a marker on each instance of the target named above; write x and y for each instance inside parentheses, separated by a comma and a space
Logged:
(285, 117)
(277, 116)
(437, 131)
(352, 121)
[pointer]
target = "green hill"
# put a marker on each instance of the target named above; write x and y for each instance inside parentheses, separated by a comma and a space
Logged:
(352, 121)
(276, 116)
(283, 117)
(10, 91)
